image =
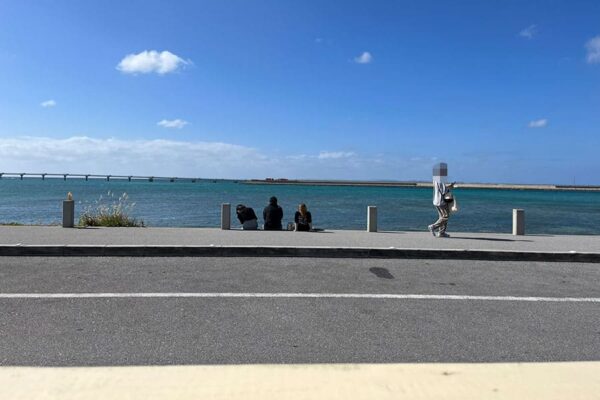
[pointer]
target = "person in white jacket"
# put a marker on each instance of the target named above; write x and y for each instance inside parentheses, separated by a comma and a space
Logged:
(442, 200)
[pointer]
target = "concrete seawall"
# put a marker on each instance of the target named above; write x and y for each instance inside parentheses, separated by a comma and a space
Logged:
(313, 252)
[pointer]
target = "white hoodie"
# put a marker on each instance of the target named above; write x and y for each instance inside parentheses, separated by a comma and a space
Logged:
(439, 190)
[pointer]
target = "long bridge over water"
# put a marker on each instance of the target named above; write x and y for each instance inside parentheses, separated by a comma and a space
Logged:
(44, 175)
(310, 182)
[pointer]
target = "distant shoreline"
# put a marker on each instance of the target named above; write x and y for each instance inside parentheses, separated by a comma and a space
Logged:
(306, 182)
(414, 184)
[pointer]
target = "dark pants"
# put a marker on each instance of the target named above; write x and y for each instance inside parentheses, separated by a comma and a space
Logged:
(272, 227)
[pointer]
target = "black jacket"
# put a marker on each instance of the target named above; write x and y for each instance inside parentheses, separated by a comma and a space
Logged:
(247, 214)
(273, 214)
(303, 222)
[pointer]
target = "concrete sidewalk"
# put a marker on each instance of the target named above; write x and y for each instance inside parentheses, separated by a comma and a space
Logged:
(57, 241)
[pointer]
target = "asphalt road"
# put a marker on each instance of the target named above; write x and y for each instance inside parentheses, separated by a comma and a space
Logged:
(233, 330)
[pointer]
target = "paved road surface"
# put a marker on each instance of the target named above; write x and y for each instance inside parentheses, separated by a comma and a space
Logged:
(105, 330)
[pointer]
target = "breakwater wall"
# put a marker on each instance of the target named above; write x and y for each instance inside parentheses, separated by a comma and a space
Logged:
(415, 184)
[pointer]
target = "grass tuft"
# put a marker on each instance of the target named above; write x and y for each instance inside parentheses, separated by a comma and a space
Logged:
(110, 212)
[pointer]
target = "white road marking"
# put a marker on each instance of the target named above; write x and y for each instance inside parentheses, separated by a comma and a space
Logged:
(297, 296)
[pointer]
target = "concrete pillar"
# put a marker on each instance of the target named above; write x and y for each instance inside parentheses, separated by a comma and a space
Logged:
(225, 216)
(68, 213)
(371, 219)
(518, 222)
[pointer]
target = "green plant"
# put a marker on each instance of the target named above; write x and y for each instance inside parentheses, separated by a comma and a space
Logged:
(110, 212)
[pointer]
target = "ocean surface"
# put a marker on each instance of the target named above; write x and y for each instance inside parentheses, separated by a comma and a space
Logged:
(178, 204)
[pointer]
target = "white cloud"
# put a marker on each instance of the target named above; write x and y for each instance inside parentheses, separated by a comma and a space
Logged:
(299, 157)
(151, 61)
(172, 123)
(529, 32)
(538, 123)
(163, 157)
(48, 103)
(364, 58)
(593, 50)
(324, 155)
(158, 157)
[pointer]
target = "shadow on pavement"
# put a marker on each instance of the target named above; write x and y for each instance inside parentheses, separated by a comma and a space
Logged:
(381, 272)
(490, 239)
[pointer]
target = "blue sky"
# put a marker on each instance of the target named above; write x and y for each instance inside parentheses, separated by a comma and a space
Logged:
(504, 91)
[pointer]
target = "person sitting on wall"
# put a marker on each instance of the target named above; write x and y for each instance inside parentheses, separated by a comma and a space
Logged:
(302, 219)
(272, 214)
(247, 217)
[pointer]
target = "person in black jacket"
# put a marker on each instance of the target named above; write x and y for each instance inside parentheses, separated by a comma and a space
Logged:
(272, 214)
(302, 219)
(247, 217)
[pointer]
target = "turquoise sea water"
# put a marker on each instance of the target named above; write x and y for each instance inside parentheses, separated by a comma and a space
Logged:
(177, 204)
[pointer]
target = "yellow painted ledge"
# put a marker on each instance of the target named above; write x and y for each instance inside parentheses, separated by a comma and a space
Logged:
(561, 381)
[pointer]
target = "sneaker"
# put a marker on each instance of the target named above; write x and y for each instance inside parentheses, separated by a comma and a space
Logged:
(443, 235)
(430, 227)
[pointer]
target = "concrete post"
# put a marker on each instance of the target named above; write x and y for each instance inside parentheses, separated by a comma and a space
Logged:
(68, 213)
(225, 216)
(371, 219)
(518, 222)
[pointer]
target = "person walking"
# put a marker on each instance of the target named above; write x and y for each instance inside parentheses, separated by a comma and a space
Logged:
(272, 214)
(442, 200)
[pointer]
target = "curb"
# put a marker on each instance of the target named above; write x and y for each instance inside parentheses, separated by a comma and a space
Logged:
(274, 251)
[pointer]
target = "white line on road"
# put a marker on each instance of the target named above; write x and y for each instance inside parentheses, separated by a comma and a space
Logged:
(296, 296)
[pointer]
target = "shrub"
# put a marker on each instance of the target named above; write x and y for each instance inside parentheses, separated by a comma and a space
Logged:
(110, 212)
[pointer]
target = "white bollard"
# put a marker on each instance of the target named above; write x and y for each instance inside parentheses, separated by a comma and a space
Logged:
(371, 219)
(225, 216)
(69, 212)
(518, 221)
